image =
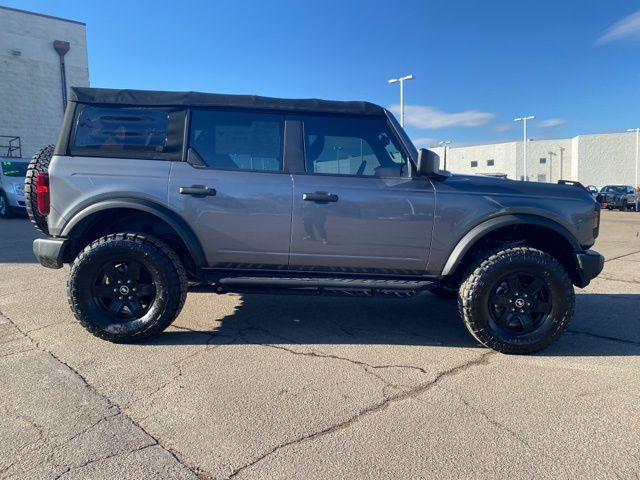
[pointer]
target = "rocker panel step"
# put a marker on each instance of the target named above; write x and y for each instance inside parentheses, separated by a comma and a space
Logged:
(326, 283)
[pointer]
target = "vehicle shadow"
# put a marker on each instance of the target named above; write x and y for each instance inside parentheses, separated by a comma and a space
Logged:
(604, 325)
(16, 240)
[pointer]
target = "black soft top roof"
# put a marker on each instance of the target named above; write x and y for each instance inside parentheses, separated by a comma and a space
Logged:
(106, 96)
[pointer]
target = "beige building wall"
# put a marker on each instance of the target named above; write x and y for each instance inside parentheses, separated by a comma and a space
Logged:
(601, 159)
(30, 83)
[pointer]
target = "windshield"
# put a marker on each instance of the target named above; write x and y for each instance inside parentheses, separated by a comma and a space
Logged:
(14, 169)
(614, 189)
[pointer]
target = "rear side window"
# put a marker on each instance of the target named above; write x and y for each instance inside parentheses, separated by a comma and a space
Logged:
(237, 140)
(358, 146)
(136, 132)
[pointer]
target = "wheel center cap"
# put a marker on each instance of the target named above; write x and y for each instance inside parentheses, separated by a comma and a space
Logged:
(124, 290)
(519, 303)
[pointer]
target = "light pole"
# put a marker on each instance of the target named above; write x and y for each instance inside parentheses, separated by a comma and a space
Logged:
(637, 130)
(445, 144)
(524, 143)
(551, 155)
(401, 80)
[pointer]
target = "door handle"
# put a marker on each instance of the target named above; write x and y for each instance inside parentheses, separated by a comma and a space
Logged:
(198, 190)
(323, 197)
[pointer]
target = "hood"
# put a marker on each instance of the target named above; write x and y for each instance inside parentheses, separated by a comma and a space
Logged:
(503, 186)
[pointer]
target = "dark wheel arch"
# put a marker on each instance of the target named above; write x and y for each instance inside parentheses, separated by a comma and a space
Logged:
(484, 229)
(75, 226)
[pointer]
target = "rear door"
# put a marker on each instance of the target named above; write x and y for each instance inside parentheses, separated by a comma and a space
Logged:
(357, 208)
(234, 192)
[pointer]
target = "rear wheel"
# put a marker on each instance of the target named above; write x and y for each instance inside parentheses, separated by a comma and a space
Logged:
(127, 287)
(5, 208)
(517, 300)
(39, 164)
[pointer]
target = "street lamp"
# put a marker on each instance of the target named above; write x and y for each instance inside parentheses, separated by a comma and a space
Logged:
(637, 130)
(401, 80)
(445, 144)
(524, 143)
(551, 155)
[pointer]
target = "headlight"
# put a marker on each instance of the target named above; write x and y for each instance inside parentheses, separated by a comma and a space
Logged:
(19, 189)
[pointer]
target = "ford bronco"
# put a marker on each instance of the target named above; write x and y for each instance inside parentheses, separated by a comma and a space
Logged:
(146, 193)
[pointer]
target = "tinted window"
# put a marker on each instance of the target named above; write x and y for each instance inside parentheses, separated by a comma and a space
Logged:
(237, 140)
(144, 131)
(360, 146)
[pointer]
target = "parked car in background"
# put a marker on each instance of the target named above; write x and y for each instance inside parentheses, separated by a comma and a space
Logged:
(12, 173)
(622, 197)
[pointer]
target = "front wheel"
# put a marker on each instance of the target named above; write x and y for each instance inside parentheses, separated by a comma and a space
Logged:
(518, 300)
(126, 287)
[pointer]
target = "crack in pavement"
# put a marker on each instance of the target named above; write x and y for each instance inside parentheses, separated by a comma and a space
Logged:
(604, 337)
(101, 459)
(621, 256)
(370, 410)
(608, 277)
(195, 471)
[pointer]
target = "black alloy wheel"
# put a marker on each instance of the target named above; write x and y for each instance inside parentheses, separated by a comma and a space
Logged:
(124, 289)
(520, 303)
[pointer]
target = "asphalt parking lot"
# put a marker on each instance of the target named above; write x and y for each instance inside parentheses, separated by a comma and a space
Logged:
(302, 387)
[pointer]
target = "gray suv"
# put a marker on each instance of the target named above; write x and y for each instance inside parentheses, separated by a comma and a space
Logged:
(147, 193)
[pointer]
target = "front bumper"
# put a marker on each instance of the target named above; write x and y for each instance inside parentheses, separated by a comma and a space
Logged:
(590, 264)
(50, 251)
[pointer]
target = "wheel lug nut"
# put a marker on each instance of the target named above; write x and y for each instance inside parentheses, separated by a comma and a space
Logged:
(129, 281)
(115, 289)
(130, 298)
(119, 282)
(134, 289)
(119, 298)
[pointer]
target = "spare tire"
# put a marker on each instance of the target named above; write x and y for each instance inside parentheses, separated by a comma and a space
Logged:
(39, 163)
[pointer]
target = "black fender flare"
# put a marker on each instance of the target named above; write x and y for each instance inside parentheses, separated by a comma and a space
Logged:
(161, 212)
(486, 227)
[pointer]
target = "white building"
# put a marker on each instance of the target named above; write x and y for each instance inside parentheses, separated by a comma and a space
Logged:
(31, 98)
(599, 160)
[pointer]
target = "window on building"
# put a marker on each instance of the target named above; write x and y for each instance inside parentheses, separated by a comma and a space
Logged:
(543, 161)
(237, 140)
(361, 147)
(474, 164)
(128, 132)
(490, 163)
(542, 177)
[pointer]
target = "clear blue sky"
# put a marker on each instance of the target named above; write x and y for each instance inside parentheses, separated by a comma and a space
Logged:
(478, 64)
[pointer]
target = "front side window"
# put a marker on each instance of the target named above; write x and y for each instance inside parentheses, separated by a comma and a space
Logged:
(359, 146)
(237, 140)
(128, 131)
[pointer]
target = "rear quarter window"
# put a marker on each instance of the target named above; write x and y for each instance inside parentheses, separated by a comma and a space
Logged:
(128, 132)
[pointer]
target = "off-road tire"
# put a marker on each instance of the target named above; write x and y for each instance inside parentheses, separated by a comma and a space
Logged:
(166, 270)
(483, 275)
(5, 212)
(39, 163)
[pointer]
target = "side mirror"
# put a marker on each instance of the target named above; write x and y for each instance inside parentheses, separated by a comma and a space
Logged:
(428, 163)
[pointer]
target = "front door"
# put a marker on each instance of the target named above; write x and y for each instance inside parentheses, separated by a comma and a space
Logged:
(357, 209)
(233, 192)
